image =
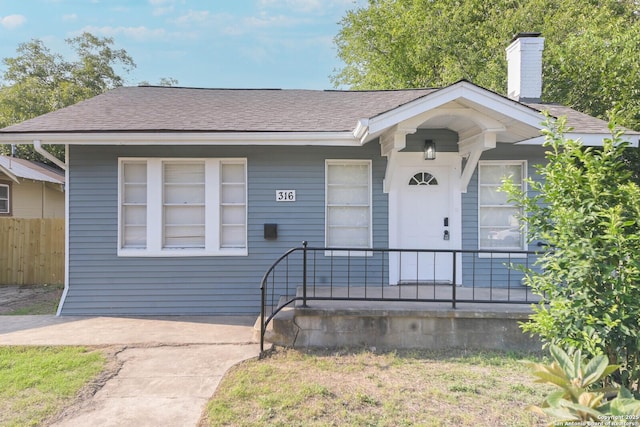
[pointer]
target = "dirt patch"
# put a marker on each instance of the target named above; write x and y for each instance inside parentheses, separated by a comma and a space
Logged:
(39, 299)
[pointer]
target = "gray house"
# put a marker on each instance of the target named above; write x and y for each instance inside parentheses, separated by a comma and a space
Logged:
(179, 199)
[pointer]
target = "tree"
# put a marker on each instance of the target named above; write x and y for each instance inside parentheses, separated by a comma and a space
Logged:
(590, 59)
(588, 211)
(164, 81)
(37, 81)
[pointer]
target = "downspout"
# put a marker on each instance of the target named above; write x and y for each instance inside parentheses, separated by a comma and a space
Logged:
(37, 145)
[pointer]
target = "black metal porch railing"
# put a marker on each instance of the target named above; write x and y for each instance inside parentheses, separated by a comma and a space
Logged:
(455, 276)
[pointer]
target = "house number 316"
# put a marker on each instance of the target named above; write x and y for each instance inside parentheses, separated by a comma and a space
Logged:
(285, 195)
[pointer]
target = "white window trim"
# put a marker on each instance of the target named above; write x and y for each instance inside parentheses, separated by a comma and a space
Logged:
(8, 211)
(524, 165)
(154, 209)
(355, 252)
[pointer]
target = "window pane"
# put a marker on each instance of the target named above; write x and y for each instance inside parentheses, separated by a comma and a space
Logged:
(232, 172)
(233, 215)
(495, 174)
(348, 212)
(135, 237)
(4, 206)
(233, 193)
(135, 215)
(348, 237)
(135, 193)
(348, 216)
(176, 215)
(232, 236)
(184, 194)
(233, 221)
(348, 195)
(184, 236)
(184, 210)
(503, 238)
(4, 192)
(134, 208)
(498, 223)
(491, 196)
(501, 217)
(184, 172)
(135, 172)
(348, 174)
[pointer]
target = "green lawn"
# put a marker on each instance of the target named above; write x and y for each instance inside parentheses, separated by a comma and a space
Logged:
(454, 388)
(38, 382)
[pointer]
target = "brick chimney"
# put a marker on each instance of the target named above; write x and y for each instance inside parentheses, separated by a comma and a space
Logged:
(524, 61)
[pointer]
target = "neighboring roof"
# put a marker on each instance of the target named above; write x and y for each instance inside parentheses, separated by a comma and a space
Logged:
(27, 169)
(171, 109)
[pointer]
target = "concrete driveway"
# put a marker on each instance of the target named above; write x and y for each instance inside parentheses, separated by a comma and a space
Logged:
(167, 368)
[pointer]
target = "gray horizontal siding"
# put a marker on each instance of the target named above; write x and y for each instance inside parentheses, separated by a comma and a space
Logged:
(102, 283)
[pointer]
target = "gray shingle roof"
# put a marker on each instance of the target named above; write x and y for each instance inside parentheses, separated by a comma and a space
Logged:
(134, 109)
(580, 122)
(175, 109)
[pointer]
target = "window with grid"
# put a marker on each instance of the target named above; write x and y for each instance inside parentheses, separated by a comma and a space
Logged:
(187, 207)
(348, 203)
(498, 223)
(5, 205)
(134, 205)
(183, 204)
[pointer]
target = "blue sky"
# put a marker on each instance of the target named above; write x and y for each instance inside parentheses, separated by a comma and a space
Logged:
(201, 43)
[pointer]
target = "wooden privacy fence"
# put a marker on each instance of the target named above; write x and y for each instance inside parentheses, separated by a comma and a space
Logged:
(31, 251)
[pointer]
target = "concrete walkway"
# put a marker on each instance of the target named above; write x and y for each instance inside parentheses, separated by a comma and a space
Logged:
(167, 367)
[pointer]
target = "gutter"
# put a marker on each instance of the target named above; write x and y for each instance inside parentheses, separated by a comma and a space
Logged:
(37, 145)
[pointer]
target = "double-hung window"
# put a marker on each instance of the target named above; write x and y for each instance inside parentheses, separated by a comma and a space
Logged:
(348, 203)
(182, 207)
(5, 199)
(499, 227)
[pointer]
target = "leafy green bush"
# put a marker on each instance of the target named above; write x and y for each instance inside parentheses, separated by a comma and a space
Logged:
(587, 209)
(578, 398)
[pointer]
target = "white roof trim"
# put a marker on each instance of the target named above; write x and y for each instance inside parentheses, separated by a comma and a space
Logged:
(192, 138)
(588, 139)
(9, 174)
(464, 90)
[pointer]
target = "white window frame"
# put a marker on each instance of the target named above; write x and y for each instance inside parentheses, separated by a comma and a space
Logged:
(154, 215)
(523, 165)
(8, 199)
(368, 163)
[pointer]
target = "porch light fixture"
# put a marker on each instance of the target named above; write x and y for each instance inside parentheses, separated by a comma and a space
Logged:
(429, 150)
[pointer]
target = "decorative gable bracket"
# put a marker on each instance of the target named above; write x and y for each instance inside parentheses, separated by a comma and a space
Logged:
(473, 147)
(391, 143)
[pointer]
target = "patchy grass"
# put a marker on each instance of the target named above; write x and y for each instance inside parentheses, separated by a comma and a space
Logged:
(361, 388)
(38, 382)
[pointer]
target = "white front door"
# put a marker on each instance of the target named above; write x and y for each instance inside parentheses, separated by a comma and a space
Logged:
(424, 213)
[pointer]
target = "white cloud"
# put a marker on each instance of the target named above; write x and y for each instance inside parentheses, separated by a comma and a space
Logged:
(306, 6)
(137, 33)
(269, 21)
(162, 7)
(70, 17)
(159, 11)
(11, 22)
(194, 16)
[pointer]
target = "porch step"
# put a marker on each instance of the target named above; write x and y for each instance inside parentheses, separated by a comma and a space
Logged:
(282, 328)
(402, 328)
